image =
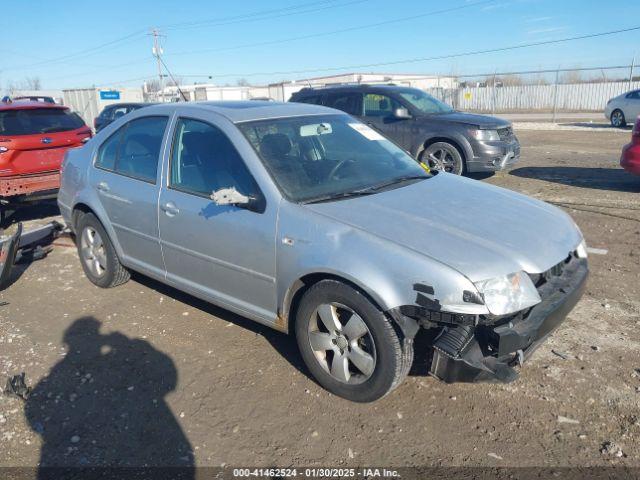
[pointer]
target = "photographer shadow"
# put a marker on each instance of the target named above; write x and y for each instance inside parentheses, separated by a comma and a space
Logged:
(103, 406)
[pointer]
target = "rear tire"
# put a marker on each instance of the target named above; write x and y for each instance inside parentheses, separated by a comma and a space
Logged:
(97, 255)
(351, 348)
(617, 119)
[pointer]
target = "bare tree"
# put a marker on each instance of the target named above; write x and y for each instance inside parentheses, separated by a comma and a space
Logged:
(242, 82)
(573, 76)
(32, 83)
(175, 81)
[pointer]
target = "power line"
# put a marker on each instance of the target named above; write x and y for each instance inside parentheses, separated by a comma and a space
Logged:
(140, 33)
(175, 82)
(263, 14)
(424, 59)
(342, 30)
(82, 53)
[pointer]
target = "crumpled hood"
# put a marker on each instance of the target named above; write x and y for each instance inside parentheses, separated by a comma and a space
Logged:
(478, 229)
(481, 121)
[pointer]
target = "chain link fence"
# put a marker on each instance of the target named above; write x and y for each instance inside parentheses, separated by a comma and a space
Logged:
(555, 91)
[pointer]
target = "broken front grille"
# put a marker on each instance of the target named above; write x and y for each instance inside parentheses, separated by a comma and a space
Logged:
(505, 133)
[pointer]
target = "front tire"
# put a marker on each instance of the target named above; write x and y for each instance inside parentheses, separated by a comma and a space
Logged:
(348, 344)
(97, 255)
(443, 157)
(617, 119)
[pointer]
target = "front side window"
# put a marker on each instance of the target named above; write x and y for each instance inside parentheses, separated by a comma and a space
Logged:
(203, 160)
(376, 105)
(347, 102)
(320, 158)
(134, 150)
(634, 95)
(32, 121)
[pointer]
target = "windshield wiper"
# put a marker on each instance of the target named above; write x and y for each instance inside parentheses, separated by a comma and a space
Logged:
(394, 181)
(365, 191)
(339, 196)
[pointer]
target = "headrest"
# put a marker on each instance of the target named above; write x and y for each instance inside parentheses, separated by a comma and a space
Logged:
(275, 145)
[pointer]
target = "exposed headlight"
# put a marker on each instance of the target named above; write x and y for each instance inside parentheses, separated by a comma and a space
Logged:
(508, 294)
(581, 251)
(485, 135)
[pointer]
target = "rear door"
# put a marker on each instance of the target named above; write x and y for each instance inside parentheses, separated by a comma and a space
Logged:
(225, 254)
(37, 138)
(126, 180)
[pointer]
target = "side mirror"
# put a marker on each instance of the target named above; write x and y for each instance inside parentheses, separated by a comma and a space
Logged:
(401, 113)
(230, 196)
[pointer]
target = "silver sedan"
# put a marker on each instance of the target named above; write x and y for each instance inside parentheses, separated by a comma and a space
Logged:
(306, 220)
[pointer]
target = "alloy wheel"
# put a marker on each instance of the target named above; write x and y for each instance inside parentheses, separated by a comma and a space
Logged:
(442, 159)
(342, 343)
(93, 251)
(617, 119)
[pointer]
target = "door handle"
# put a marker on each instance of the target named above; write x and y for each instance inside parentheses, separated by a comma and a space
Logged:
(170, 209)
(103, 186)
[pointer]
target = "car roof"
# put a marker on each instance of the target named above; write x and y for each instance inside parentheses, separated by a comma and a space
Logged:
(128, 104)
(29, 104)
(248, 110)
(357, 87)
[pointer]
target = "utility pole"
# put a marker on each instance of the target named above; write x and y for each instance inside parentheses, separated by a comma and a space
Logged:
(633, 64)
(157, 51)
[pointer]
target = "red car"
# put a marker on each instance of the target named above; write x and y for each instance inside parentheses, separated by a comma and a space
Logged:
(34, 137)
(630, 159)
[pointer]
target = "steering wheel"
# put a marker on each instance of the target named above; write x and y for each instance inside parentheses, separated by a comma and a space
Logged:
(339, 165)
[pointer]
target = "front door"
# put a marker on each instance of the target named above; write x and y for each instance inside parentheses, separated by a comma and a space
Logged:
(126, 180)
(378, 114)
(225, 254)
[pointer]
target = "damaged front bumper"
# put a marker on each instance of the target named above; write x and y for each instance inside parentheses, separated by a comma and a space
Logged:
(24, 243)
(465, 353)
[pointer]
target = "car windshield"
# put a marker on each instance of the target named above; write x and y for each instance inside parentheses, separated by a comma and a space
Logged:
(29, 121)
(424, 102)
(322, 158)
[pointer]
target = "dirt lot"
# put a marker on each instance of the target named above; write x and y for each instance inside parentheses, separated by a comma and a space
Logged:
(144, 374)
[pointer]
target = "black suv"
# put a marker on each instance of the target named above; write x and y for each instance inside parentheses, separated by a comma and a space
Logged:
(431, 131)
(114, 111)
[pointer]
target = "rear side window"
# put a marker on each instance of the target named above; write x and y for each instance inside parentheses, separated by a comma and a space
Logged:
(38, 120)
(134, 150)
(312, 99)
(108, 152)
(347, 102)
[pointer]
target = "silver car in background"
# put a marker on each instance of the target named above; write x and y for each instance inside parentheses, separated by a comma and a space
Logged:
(623, 109)
(308, 221)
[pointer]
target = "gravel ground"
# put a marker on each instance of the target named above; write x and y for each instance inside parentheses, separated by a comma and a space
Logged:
(143, 374)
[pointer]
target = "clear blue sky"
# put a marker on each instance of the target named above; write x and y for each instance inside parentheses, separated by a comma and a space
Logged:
(56, 41)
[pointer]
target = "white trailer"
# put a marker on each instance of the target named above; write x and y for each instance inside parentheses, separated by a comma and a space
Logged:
(89, 102)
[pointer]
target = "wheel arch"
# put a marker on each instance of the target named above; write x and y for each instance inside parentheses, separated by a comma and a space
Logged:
(82, 208)
(465, 152)
(301, 285)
